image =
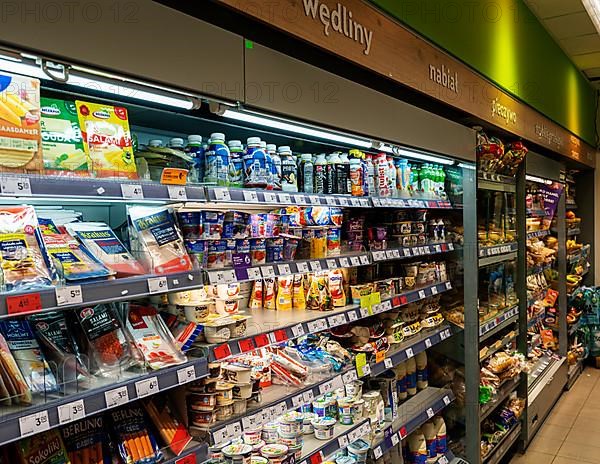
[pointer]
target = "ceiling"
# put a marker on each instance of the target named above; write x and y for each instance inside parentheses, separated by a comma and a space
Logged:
(571, 27)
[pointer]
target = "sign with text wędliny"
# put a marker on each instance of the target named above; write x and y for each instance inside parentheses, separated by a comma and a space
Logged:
(358, 32)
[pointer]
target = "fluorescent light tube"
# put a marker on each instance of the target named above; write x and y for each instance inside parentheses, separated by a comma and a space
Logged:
(298, 129)
(421, 156)
(593, 10)
(466, 166)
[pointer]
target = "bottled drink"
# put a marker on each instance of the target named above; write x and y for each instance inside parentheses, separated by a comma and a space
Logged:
(217, 160)
(306, 174)
(356, 177)
(275, 173)
(320, 176)
(392, 177)
(422, 374)
(236, 163)
(440, 430)
(418, 448)
(370, 176)
(289, 171)
(268, 166)
(415, 176)
(343, 175)
(428, 429)
(332, 171)
(176, 143)
(255, 164)
(196, 151)
(381, 176)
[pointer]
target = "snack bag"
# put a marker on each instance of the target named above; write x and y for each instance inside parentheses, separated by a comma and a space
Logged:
(62, 142)
(43, 448)
(336, 288)
(152, 337)
(135, 443)
(171, 430)
(25, 349)
(298, 296)
(20, 134)
(284, 293)
(84, 441)
(23, 259)
(102, 243)
(257, 295)
(159, 239)
(107, 137)
(270, 293)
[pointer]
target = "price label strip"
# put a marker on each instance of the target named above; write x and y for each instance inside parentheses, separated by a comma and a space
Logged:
(146, 387)
(185, 375)
(34, 423)
(71, 411)
(69, 295)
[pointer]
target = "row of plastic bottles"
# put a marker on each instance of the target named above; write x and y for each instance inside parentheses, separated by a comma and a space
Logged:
(262, 165)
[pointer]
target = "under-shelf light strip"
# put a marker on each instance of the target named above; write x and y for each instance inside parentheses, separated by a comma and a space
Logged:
(413, 154)
(539, 180)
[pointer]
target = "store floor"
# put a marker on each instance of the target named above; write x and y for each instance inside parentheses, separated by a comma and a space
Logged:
(570, 433)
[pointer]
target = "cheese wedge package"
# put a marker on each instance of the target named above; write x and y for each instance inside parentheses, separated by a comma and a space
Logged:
(107, 138)
(62, 142)
(20, 131)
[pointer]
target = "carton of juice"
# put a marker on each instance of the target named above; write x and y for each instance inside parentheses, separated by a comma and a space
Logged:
(107, 138)
(20, 134)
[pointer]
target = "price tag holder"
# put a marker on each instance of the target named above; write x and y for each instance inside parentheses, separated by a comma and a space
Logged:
(309, 396)
(222, 194)
(355, 201)
(443, 335)
(409, 353)
(222, 351)
(222, 277)
(387, 362)
(177, 192)
(343, 441)
(251, 422)
(330, 201)
(395, 439)
(428, 343)
(234, 430)
(250, 196)
(302, 267)
(344, 262)
(364, 259)
(379, 255)
(300, 199)
(27, 303)
(447, 400)
(71, 411)
(254, 273)
(355, 261)
(317, 326)
(314, 200)
(378, 452)
(16, 186)
(331, 264)
(146, 387)
(297, 401)
(185, 375)
(422, 294)
(298, 330)
(448, 285)
(158, 284)
(270, 197)
(352, 316)
(132, 191)
(221, 435)
(430, 413)
(434, 290)
(284, 269)
(116, 397)
(267, 271)
(34, 423)
(315, 266)
(326, 388)
(343, 201)
(285, 198)
(69, 295)
(349, 376)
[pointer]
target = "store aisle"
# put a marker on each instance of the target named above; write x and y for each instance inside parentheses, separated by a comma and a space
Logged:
(570, 433)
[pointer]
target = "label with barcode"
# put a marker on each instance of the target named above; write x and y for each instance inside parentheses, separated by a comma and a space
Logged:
(344, 262)
(285, 198)
(364, 259)
(254, 273)
(309, 396)
(250, 422)
(132, 191)
(343, 441)
(300, 199)
(448, 285)
(267, 271)
(447, 400)
(34, 423)
(317, 326)
(297, 401)
(409, 352)
(315, 266)
(331, 264)
(298, 330)
(284, 269)
(158, 284)
(250, 195)
(178, 192)
(380, 255)
(434, 290)
(71, 411)
(68, 295)
(355, 261)
(270, 197)
(349, 376)
(378, 452)
(146, 387)
(421, 294)
(15, 186)
(302, 267)
(185, 375)
(116, 397)
(395, 439)
(387, 362)
(427, 343)
(315, 200)
(221, 435)
(430, 413)
(234, 430)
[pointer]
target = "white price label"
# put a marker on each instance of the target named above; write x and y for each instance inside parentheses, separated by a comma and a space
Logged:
(302, 267)
(447, 400)
(300, 199)
(343, 441)
(326, 387)
(146, 387)
(434, 290)
(406, 252)
(387, 362)
(349, 377)
(387, 305)
(437, 248)
(270, 197)
(355, 201)
(177, 192)
(376, 201)
(234, 430)
(333, 321)
(409, 352)
(297, 401)
(267, 271)
(250, 195)
(352, 316)
(116, 397)
(448, 285)
(298, 330)
(71, 411)
(222, 194)
(430, 413)
(376, 309)
(421, 294)
(251, 422)
(443, 460)
(285, 198)
(284, 269)
(330, 201)
(331, 264)
(222, 277)
(185, 375)
(451, 246)
(34, 423)
(364, 312)
(221, 435)
(395, 439)
(428, 343)
(366, 369)
(443, 335)
(343, 201)
(314, 200)
(315, 266)
(158, 284)
(396, 253)
(317, 326)
(364, 259)
(379, 255)
(378, 452)
(254, 273)
(265, 416)
(344, 262)
(15, 186)
(132, 191)
(69, 295)
(355, 261)
(309, 396)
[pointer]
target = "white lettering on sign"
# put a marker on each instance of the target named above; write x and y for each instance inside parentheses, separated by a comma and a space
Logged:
(444, 77)
(501, 111)
(339, 20)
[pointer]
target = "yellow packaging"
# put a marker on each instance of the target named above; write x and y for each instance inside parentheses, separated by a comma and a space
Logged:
(20, 131)
(107, 139)
(284, 293)
(298, 296)
(336, 288)
(256, 297)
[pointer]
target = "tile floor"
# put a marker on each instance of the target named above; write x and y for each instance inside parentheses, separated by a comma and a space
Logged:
(571, 433)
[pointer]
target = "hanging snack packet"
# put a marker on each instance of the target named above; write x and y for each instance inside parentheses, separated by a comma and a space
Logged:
(298, 296)
(284, 293)
(171, 430)
(336, 288)
(108, 345)
(84, 441)
(135, 443)
(159, 239)
(152, 337)
(43, 448)
(102, 242)
(26, 351)
(257, 295)
(14, 386)
(23, 258)
(107, 138)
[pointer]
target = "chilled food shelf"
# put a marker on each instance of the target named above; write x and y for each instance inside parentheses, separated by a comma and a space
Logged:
(23, 422)
(409, 252)
(537, 234)
(499, 451)
(540, 374)
(411, 415)
(498, 345)
(503, 392)
(278, 326)
(195, 453)
(499, 322)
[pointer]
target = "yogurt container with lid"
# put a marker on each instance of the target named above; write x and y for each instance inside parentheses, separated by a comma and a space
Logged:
(252, 436)
(291, 423)
(215, 453)
(358, 450)
(324, 427)
(238, 453)
(307, 427)
(202, 401)
(258, 460)
(275, 452)
(256, 447)
(224, 393)
(237, 374)
(269, 432)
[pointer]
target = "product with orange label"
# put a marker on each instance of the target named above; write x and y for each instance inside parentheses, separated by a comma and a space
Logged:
(43, 448)
(84, 441)
(157, 238)
(171, 430)
(257, 295)
(107, 137)
(20, 131)
(136, 445)
(284, 293)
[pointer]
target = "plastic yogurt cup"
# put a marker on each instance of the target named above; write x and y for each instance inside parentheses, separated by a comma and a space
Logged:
(237, 454)
(324, 427)
(275, 453)
(252, 437)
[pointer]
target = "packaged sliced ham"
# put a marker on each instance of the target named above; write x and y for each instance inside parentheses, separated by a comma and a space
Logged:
(14, 387)
(25, 349)
(23, 259)
(102, 242)
(159, 239)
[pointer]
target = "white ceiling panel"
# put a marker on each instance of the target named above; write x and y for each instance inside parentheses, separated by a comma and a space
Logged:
(583, 44)
(544, 9)
(571, 25)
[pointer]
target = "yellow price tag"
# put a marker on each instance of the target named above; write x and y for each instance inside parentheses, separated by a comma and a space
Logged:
(361, 364)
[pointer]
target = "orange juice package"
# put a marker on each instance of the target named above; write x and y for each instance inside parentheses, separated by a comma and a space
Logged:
(107, 137)
(20, 131)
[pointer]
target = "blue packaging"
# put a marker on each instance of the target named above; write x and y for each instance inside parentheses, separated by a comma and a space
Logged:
(256, 170)
(216, 170)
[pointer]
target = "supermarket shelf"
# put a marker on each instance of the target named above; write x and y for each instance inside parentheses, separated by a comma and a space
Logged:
(496, 182)
(411, 415)
(499, 451)
(489, 328)
(406, 203)
(542, 374)
(343, 435)
(498, 345)
(92, 293)
(537, 234)
(31, 420)
(538, 269)
(497, 253)
(277, 399)
(272, 327)
(503, 392)
(84, 189)
(408, 252)
(196, 453)
(572, 232)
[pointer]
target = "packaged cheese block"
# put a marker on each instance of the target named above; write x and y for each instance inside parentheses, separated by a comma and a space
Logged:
(20, 131)
(43, 448)
(158, 239)
(62, 142)
(107, 138)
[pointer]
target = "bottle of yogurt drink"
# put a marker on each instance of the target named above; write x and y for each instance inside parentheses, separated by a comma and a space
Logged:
(289, 170)
(275, 166)
(332, 171)
(320, 176)
(236, 163)
(306, 174)
(217, 161)
(268, 165)
(256, 173)
(196, 151)
(344, 186)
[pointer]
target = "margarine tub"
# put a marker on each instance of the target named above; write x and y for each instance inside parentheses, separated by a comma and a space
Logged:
(275, 453)
(188, 297)
(324, 427)
(358, 450)
(237, 454)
